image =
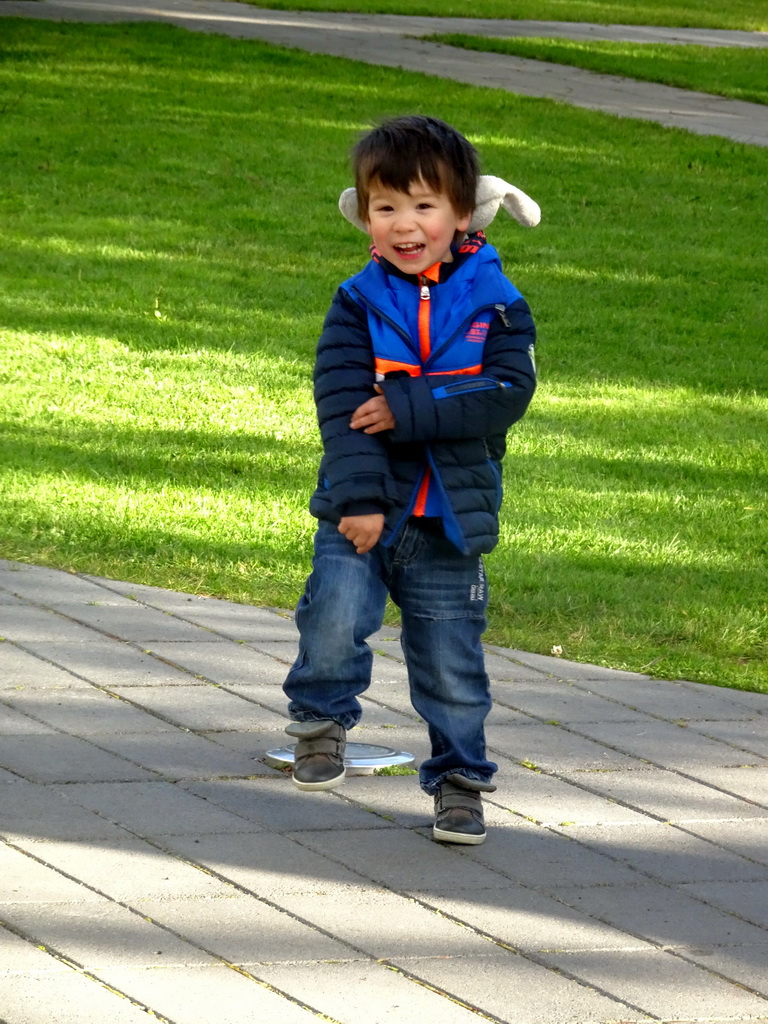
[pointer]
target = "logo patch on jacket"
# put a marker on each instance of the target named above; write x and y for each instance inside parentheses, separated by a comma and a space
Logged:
(477, 332)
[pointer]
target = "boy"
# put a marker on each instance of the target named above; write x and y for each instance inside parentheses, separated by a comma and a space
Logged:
(425, 360)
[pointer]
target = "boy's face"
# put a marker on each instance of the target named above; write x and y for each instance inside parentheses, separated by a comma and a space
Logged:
(414, 229)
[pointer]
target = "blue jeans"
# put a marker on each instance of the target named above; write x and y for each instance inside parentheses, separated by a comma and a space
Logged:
(442, 596)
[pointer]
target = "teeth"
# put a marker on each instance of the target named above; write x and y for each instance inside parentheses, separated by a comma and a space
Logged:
(409, 247)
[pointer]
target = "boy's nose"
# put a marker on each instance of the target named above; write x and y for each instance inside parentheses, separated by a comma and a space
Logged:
(404, 222)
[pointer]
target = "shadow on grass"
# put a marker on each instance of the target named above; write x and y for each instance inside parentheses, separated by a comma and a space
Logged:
(125, 456)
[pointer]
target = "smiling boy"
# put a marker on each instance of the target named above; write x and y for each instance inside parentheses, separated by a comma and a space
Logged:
(424, 362)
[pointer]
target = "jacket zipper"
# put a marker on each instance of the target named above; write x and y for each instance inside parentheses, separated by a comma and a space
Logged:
(425, 350)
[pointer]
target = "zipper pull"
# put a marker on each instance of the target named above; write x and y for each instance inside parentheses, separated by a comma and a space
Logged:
(502, 311)
(424, 289)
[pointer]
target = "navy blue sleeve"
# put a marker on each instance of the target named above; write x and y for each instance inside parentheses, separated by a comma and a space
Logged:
(355, 465)
(445, 407)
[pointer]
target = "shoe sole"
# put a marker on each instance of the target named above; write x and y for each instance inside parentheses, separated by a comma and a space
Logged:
(457, 837)
(327, 784)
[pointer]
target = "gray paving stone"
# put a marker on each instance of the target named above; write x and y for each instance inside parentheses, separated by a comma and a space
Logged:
(386, 671)
(26, 880)
(265, 863)
(385, 924)
(223, 661)
(672, 854)
(501, 714)
(32, 626)
(109, 663)
(238, 621)
(205, 995)
(102, 934)
(53, 757)
(747, 899)
(675, 797)
(85, 712)
(505, 664)
(244, 930)
(268, 695)
(205, 707)
(749, 736)
(34, 582)
(667, 745)
(176, 755)
(674, 701)
(743, 964)
(556, 749)
(562, 703)
(6, 598)
(662, 914)
(750, 783)
(16, 723)
(347, 992)
(400, 799)
(26, 955)
(128, 870)
(391, 696)
(129, 620)
(539, 857)
(504, 669)
(572, 671)
(551, 801)
(32, 811)
(284, 651)
(156, 808)
(20, 671)
(679, 989)
(391, 649)
(749, 839)
(540, 996)
(747, 700)
(276, 804)
(377, 716)
(253, 747)
(60, 997)
(531, 921)
(401, 860)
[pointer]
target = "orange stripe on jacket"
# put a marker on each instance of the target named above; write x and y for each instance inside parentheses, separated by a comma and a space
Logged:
(385, 366)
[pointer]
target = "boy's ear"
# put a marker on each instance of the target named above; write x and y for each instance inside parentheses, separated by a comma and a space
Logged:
(492, 193)
(463, 223)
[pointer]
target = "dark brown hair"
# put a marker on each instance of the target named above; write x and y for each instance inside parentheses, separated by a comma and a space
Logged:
(405, 149)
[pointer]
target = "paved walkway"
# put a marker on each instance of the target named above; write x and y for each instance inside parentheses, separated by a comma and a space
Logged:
(154, 862)
(392, 41)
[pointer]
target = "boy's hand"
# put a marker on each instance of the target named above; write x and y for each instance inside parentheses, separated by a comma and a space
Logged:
(362, 531)
(374, 415)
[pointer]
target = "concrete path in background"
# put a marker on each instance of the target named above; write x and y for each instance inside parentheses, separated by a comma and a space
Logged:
(392, 41)
(153, 863)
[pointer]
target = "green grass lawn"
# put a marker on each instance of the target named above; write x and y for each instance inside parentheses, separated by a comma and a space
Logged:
(170, 245)
(725, 71)
(735, 14)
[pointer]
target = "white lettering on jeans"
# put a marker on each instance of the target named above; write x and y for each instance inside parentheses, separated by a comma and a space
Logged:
(477, 590)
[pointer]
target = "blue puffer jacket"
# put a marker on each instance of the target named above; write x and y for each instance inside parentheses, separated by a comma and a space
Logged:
(451, 411)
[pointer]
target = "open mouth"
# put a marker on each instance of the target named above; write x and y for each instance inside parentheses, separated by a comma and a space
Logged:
(408, 250)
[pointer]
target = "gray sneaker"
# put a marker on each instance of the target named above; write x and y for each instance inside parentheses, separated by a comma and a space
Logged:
(319, 757)
(459, 811)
